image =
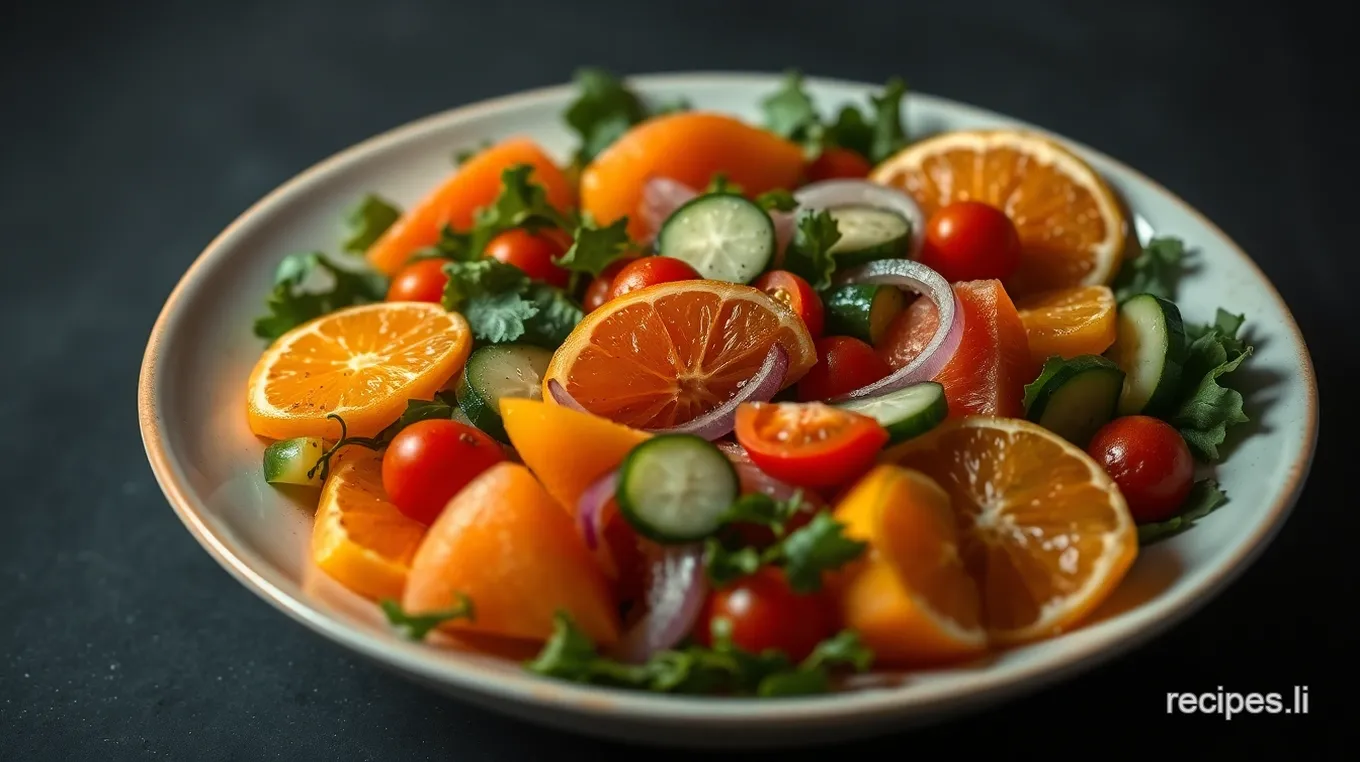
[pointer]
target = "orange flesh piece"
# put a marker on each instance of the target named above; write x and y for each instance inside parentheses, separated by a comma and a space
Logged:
(1057, 219)
(659, 363)
(690, 148)
(1038, 540)
(988, 373)
(474, 185)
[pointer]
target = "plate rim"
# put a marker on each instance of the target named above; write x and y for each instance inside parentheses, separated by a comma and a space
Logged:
(472, 679)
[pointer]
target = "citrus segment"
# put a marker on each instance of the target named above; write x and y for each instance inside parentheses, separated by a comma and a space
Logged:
(989, 370)
(664, 355)
(361, 363)
(473, 185)
(505, 544)
(1072, 230)
(912, 601)
(1043, 530)
(359, 538)
(690, 148)
(1069, 322)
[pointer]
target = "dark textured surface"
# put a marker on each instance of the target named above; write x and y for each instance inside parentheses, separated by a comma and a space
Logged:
(133, 132)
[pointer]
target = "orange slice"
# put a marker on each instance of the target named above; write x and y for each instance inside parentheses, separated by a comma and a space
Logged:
(361, 363)
(1072, 230)
(1043, 530)
(1069, 321)
(359, 538)
(913, 602)
(665, 355)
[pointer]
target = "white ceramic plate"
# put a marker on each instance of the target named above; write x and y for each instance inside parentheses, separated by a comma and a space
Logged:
(208, 463)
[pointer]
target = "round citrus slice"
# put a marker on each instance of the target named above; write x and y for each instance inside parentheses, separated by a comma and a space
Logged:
(1072, 230)
(664, 355)
(1042, 529)
(359, 538)
(361, 363)
(1069, 321)
(913, 601)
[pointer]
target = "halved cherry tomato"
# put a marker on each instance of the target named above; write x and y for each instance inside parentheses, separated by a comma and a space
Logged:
(764, 612)
(534, 253)
(429, 462)
(839, 163)
(844, 364)
(1150, 462)
(598, 291)
(970, 240)
(421, 281)
(796, 294)
(808, 444)
(649, 271)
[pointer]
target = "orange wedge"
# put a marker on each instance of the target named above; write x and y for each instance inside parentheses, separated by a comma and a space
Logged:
(1043, 530)
(359, 538)
(1072, 230)
(1069, 321)
(361, 363)
(912, 602)
(665, 355)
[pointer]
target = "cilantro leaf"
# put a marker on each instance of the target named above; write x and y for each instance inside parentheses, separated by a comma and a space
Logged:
(1204, 498)
(720, 184)
(501, 304)
(722, 668)
(850, 131)
(521, 203)
(777, 200)
(441, 407)
(724, 565)
(1153, 270)
(760, 508)
(289, 304)
(789, 111)
(889, 137)
(1206, 409)
(809, 253)
(417, 626)
(819, 546)
(594, 248)
(462, 155)
(603, 110)
(367, 221)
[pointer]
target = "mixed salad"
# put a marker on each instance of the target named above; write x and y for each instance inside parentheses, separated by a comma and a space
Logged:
(744, 409)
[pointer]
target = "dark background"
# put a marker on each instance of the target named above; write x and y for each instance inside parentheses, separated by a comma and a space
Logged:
(133, 132)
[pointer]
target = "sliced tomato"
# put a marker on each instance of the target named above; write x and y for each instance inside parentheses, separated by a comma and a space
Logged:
(809, 444)
(796, 294)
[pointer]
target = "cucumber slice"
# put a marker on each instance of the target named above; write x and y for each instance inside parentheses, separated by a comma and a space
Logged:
(906, 413)
(869, 233)
(676, 488)
(288, 461)
(1150, 349)
(1074, 398)
(863, 311)
(495, 372)
(722, 235)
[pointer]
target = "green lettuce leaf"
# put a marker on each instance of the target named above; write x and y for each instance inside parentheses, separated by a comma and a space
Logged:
(367, 221)
(1207, 409)
(1204, 498)
(1153, 270)
(809, 253)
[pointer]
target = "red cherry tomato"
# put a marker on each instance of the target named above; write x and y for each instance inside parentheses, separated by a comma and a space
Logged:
(597, 293)
(428, 462)
(1149, 461)
(421, 281)
(808, 444)
(970, 240)
(839, 163)
(533, 253)
(843, 365)
(796, 294)
(764, 612)
(649, 271)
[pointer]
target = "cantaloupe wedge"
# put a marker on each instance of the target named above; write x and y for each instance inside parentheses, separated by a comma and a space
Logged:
(505, 544)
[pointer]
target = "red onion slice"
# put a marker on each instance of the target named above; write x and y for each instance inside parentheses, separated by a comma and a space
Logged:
(905, 273)
(675, 596)
(590, 508)
(660, 197)
(829, 194)
(717, 422)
